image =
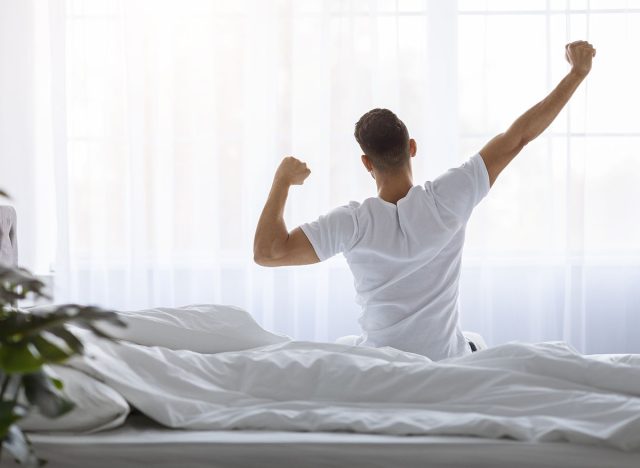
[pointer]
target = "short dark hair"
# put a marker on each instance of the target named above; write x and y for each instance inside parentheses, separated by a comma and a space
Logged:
(384, 138)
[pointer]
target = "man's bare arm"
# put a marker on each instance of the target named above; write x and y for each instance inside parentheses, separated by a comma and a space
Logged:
(273, 245)
(499, 152)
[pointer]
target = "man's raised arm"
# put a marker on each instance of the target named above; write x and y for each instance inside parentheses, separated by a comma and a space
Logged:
(499, 152)
(273, 245)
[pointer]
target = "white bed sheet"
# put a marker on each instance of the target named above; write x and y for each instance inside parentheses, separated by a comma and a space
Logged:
(531, 392)
(140, 442)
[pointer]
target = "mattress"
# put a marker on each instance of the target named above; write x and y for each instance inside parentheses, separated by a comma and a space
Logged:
(140, 442)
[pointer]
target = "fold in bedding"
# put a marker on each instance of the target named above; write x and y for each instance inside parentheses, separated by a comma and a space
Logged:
(543, 392)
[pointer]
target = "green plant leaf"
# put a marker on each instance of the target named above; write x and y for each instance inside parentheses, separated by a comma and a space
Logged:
(28, 340)
(19, 281)
(49, 352)
(72, 342)
(21, 326)
(99, 333)
(8, 295)
(41, 392)
(59, 384)
(10, 412)
(20, 358)
(20, 448)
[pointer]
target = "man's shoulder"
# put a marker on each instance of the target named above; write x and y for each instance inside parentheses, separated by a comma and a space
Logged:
(350, 208)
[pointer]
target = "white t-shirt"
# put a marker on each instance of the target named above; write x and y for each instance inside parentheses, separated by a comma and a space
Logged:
(405, 259)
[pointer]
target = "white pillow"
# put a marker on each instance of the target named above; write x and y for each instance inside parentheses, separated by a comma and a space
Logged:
(97, 406)
(204, 328)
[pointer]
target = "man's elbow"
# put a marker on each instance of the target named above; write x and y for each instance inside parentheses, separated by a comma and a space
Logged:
(515, 140)
(264, 258)
(261, 260)
(259, 257)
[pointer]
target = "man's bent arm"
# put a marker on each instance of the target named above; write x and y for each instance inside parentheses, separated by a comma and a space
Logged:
(501, 150)
(273, 245)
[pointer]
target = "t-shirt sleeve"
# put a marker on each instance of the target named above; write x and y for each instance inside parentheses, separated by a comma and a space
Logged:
(459, 190)
(332, 233)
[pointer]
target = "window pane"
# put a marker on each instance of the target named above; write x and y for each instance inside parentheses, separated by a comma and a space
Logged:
(502, 70)
(612, 195)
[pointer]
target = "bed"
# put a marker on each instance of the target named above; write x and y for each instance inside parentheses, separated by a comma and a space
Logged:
(215, 399)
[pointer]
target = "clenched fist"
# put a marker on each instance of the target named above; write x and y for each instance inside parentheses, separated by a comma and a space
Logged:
(579, 54)
(292, 171)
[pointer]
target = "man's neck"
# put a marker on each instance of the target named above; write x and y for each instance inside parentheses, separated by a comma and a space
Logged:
(394, 186)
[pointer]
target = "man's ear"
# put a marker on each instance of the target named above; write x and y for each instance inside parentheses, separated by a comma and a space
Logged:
(413, 147)
(367, 162)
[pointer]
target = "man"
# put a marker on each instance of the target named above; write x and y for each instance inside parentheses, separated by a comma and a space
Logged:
(404, 246)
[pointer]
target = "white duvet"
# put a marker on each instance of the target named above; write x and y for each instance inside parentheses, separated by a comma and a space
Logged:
(542, 392)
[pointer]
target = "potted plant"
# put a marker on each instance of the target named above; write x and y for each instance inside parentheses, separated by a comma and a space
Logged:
(29, 341)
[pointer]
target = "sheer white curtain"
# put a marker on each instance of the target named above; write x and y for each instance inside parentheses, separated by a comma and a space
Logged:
(178, 114)
(171, 116)
(25, 129)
